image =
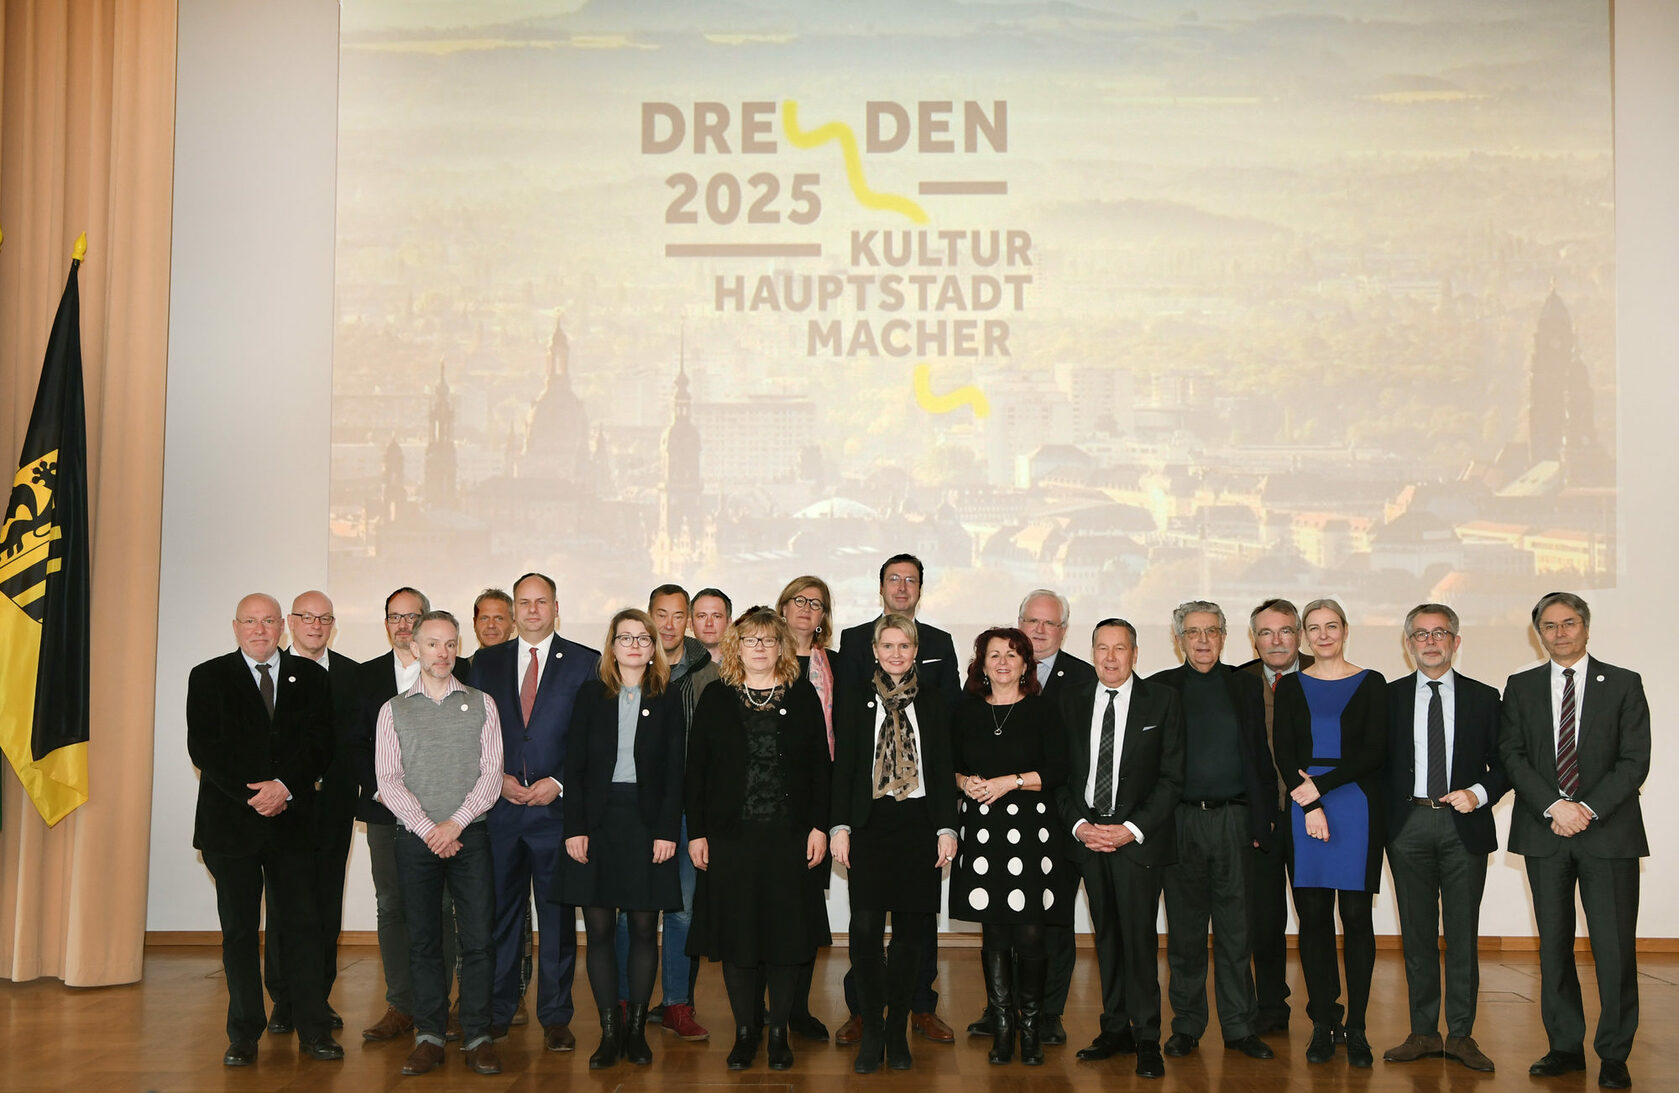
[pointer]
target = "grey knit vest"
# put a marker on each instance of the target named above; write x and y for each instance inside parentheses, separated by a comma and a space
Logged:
(440, 747)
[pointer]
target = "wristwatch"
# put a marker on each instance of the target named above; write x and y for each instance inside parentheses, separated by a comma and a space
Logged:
(1019, 782)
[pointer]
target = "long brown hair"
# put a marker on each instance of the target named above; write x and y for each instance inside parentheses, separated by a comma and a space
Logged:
(658, 669)
(977, 684)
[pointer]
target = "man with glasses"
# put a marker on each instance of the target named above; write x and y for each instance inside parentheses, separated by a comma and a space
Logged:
(381, 679)
(1224, 814)
(1274, 629)
(534, 682)
(311, 625)
(902, 580)
(1441, 778)
(1575, 741)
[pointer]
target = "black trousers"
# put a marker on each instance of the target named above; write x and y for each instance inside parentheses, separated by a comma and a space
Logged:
(1609, 892)
(1124, 900)
(1207, 886)
(331, 859)
(1316, 907)
(1061, 946)
(1431, 871)
(286, 877)
(1266, 876)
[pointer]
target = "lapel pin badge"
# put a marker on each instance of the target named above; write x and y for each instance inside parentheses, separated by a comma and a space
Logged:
(784, 711)
(293, 679)
(644, 713)
(464, 707)
(1600, 679)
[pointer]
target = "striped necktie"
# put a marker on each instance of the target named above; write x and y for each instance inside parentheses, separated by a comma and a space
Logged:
(1568, 763)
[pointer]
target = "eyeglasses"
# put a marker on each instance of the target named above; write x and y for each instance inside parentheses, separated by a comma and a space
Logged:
(1196, 633)
(759, 643)
(1283, 632)
(1569, 624)
(629, 640)
(1051, 624)
(808, 601)
(266, 620)
(410, 617)
(306, 617)
(899, 578)
(1439, 634)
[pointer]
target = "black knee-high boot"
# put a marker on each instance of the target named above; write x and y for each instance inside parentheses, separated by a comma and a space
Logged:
(868, 970)
(1029, 993)
(999, 994)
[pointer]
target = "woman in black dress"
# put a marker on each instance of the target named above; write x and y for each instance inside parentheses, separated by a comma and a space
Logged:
(1010, 753)
(757, 791)
(623, 779)
(894, 815)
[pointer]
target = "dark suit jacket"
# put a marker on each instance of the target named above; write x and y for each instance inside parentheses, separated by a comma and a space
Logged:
(855, 709)
(1613, 750)
(233, 742)
(592, 752)
(935, 657)
(1256, 668)
(1148, 774)
(715, 786)
(1474, 758)
(1069, 671)
(538, 750)
(340, 786)
(376, 685)
(1259, 775)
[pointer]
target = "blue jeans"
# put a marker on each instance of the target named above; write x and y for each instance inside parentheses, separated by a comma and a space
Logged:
(470, 880)
(676, 967)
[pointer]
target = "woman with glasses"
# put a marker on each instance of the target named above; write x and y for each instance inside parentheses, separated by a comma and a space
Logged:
(623, 779)
(1010, 752)
(804, 606)
(757, 800)
(1330, 737)
(894, 816)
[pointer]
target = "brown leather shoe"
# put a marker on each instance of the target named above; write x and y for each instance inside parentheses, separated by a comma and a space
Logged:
(929, 1026)
(558, 1038)
(851, 1032)
(425, 1058)
(1418, 1045)
(483, 1059)
(390, 1026)
(1466, 1051)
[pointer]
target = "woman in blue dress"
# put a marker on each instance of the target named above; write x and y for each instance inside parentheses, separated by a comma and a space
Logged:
(1330, 739)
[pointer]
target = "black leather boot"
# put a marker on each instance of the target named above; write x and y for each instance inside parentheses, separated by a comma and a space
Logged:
(745, 1049)
(999, 995)
(1029, 994)
(635, 1035)
(780, 1052)
(869, 973)
(611, 1039)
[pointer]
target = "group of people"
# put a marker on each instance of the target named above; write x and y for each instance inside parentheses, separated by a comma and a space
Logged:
(712, 778)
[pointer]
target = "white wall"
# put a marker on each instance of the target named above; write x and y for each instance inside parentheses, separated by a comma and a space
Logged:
(246, 471)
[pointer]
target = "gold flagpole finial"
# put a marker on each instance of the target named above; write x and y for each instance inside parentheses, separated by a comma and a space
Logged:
(79, 251)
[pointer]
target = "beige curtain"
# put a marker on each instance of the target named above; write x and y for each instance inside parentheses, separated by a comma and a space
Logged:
(87, 121)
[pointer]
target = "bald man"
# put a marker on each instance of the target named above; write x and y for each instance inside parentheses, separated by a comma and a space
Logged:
(259, 730)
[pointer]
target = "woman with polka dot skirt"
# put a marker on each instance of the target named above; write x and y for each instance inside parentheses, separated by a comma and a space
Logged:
(1011, 868)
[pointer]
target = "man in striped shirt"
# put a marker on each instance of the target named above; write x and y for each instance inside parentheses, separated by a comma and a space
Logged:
(437, 751)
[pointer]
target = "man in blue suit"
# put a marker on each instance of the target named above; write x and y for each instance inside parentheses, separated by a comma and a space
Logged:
(534, 681)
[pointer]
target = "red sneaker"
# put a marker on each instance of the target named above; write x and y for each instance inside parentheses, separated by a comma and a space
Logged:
(679, 1018)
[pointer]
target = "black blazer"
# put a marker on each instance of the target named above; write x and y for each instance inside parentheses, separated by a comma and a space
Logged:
(592, 752)
(935, 657)
(233, 742)
(340, 786)
(1148, 777)
(855, 710)
(1364, 730)
(1474, 758)
(1259, 774)
(1613, 750)
(1069, 671)
(376, 683)
(715, 786)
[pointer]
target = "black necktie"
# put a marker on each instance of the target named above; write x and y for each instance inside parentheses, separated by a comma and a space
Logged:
(1105, 760)
(266, 686)
(1436, 743)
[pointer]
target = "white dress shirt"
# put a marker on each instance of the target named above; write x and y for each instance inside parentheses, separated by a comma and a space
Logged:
(542, 647)
(1122, 710)
(406, 674)
(1419, 734)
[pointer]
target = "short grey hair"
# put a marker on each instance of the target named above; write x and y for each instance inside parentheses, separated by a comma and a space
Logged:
(1066, 608)
(1568, 600)
(1431, 609)
(439, 615)
(1191, 607)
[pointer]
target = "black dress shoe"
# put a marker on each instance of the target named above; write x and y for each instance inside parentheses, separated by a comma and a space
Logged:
(1322, 1047)
(1358, 1050)
(746, 1047)
(1180, 1044)
(280, 1022)
(1613, 1075)
(779, 1053)
(325, 1049)
(1052, 1033)
(333, 1019)
(1109, 1044)
(1556, 1063)
(808, 1027)
(240, 1053)
(1251, 1046)
(1149, 1062)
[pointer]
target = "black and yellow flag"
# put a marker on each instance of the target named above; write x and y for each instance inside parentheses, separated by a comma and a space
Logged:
(44, 582)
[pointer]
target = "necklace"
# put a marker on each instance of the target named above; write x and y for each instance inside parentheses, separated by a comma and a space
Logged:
(769, 697)
(998, 730)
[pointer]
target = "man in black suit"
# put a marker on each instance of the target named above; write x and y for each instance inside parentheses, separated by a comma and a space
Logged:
(1224, 815)
(311, 626)
(1575, 740)
(1125, 761)
(381, 679)
(534, 681)
(259, 729)
(1274, 629)
(1441, 780)
(902, 580)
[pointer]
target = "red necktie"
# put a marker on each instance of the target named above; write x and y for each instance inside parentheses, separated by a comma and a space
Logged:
(527, 690)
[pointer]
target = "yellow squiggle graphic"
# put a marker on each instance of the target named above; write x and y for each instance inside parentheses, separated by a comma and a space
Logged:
(967, 395)
(837, 130)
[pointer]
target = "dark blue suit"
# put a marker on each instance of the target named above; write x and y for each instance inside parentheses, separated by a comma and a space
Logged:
(526, 841)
